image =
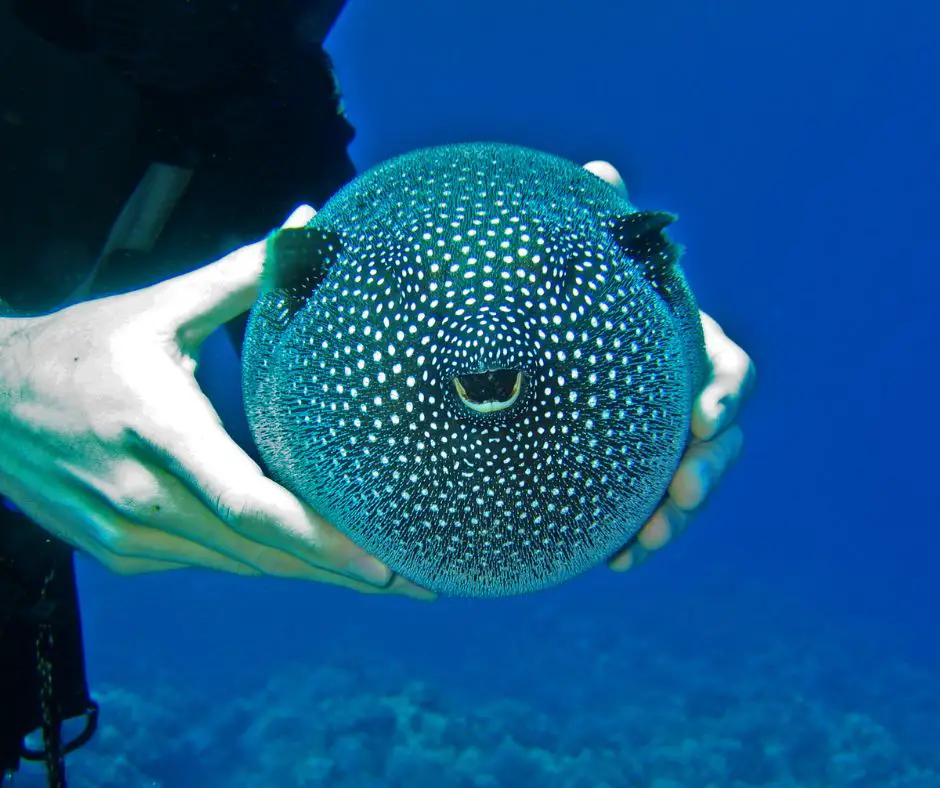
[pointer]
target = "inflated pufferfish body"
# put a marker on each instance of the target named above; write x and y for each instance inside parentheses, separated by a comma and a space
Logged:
(479, 362)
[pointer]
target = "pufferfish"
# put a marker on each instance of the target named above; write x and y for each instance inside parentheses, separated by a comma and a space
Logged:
(479, 362)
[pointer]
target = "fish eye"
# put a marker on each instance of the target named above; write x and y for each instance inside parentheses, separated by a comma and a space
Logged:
(489, 391)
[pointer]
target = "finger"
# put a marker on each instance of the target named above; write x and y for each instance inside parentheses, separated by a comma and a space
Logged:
(732, 378)
(700, 470)
(108, 530)
(629, 558)
(142, 536)
(667, 522)
(112, 528)
(702, 466)
(403, 587)
(299, 217)
(199, 302)
(127, 548)
(137, 566)
(233, 487)
(398, 586)
(83, 521)
(119, 546)
(148, 502)
(136, 539)
(607, 172)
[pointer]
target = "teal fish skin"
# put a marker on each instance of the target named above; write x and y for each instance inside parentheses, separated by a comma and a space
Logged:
(479, 362)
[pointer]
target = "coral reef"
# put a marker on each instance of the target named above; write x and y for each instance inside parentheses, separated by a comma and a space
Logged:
(681, 701)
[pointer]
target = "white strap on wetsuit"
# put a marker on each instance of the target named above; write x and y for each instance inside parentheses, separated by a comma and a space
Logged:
(143, 217)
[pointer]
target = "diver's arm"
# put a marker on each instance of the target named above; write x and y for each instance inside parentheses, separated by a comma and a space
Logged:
(109, 444)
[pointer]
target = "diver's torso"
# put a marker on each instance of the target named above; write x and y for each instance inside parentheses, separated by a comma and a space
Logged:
(90, 102)
(67, 161)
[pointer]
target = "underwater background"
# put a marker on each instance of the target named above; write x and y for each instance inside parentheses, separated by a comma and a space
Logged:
(792, 636)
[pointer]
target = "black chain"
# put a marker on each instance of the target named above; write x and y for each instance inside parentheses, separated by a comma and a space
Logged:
(51, 719)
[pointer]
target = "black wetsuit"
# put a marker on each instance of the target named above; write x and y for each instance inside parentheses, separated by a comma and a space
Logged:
(91, 93)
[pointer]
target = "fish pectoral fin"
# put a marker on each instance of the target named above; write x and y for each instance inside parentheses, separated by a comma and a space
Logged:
(298, 259)
(642, 237)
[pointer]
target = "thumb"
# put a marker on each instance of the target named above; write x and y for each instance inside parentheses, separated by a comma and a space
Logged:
(607, 172)
(199, 302)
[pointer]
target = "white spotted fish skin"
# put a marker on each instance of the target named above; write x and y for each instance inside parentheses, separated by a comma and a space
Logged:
(444, 264)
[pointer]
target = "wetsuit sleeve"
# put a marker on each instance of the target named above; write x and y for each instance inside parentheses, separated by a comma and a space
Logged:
(242, 100)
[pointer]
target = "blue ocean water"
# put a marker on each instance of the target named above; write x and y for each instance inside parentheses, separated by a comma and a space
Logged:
(790, 637)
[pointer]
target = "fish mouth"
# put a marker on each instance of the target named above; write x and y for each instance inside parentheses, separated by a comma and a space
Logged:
(489, 391)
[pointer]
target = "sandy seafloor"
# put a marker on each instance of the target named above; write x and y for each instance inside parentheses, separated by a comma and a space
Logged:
(727, 687)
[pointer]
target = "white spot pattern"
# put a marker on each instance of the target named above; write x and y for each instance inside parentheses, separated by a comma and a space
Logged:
(455, 261)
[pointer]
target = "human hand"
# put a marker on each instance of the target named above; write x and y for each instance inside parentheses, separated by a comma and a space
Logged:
(109, 444)
(716, 438)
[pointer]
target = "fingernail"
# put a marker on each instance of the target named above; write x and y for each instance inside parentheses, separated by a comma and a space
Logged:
(406, 588)
(370, 569)
(416, 592)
